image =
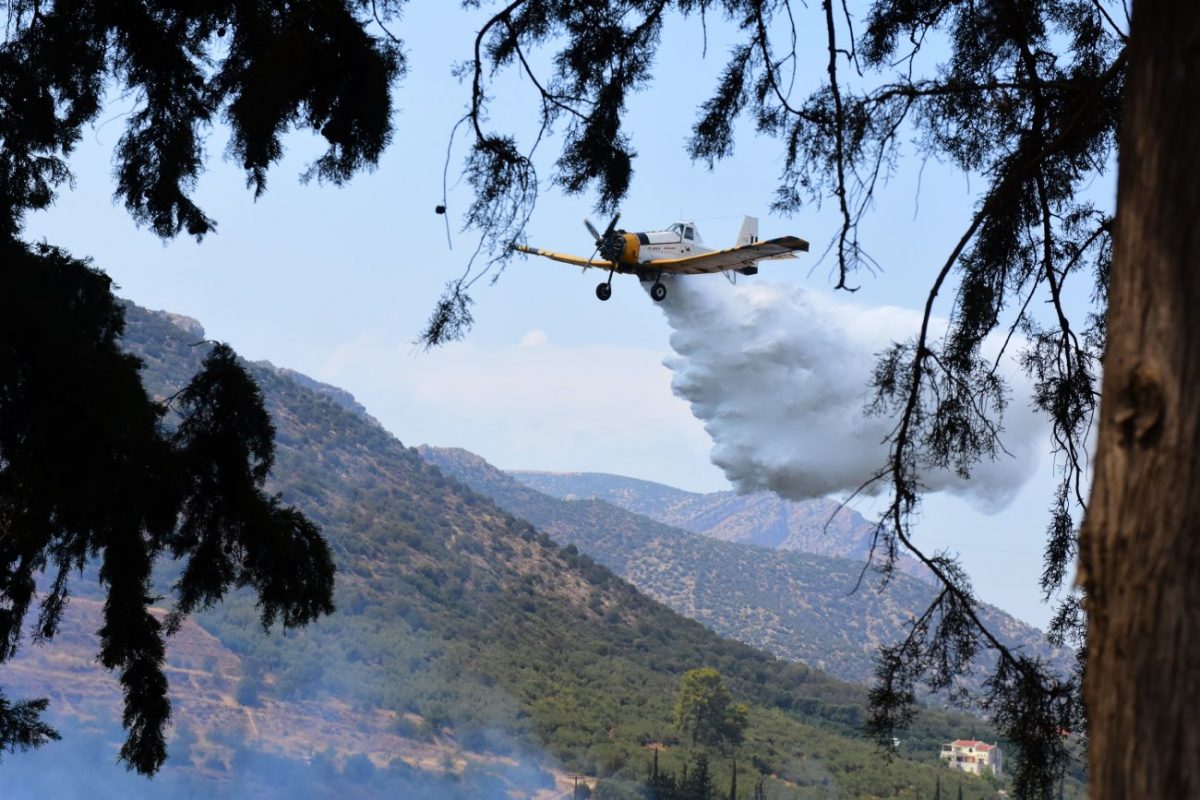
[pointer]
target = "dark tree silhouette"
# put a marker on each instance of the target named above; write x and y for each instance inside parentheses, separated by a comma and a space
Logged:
(262, 68)
(91, 469)
(697, 783)
(660, 785)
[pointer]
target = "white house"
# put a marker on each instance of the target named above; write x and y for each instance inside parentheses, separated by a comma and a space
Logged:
(973, 756)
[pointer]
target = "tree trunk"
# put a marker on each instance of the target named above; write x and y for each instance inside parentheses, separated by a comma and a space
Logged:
(1140, 548)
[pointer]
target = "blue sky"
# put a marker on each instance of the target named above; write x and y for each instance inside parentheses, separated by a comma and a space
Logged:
(337, 282)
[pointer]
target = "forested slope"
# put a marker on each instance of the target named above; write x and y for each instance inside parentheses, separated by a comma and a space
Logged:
(465, 630)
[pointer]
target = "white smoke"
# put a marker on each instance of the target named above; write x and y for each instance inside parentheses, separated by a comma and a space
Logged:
(780, 377)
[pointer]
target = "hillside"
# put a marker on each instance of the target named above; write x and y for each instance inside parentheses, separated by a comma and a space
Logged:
(470, 655)
(220, 725)
(818, 526)
(794, 604)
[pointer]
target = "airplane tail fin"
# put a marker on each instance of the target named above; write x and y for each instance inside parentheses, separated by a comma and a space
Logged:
(748, 235)
(749, 232)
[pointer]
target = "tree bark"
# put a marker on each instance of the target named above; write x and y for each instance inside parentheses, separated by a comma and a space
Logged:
(1140, 546)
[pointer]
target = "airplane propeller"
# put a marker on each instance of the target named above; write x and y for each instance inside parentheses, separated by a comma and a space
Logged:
(603, 239)
(595, 235)
(605, 246)
(593, 255)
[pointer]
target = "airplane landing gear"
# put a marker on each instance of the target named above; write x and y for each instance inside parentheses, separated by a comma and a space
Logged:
(604, 290)
(658, 292)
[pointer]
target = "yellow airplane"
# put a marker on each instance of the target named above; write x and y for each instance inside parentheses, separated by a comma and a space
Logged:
(677, 250)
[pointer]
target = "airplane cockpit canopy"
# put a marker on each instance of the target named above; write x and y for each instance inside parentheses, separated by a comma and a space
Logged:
(685, 231)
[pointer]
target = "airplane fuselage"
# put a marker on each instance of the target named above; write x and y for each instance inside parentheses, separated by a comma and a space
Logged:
(643, 248)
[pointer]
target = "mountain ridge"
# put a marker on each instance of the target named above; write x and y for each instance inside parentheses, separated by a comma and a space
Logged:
(820, 526)
(803, 606)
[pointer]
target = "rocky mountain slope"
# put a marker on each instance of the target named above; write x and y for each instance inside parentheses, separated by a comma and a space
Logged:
(821, 527)
(796, 605)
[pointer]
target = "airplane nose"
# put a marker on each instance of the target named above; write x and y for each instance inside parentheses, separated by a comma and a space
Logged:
(612, 247)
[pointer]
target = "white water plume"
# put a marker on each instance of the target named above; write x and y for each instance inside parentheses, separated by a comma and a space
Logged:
(780, 376)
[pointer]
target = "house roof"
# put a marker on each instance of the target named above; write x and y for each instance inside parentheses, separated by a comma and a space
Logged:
(976, 743)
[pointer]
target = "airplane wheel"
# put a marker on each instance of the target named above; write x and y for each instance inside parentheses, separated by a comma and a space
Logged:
(658, 292)
(604, 291)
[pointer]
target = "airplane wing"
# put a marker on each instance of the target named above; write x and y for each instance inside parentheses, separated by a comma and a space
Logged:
(563, 257)
(733, 258)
